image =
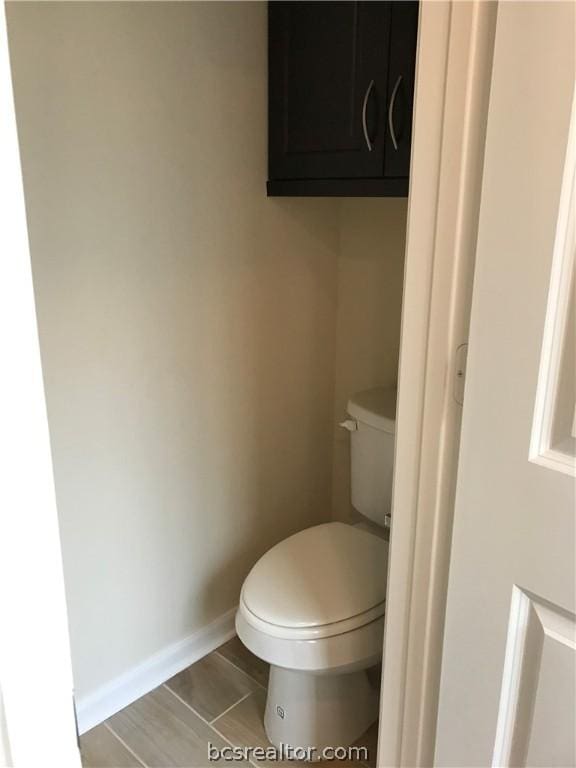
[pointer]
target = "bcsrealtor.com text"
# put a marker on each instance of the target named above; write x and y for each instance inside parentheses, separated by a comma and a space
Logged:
(285, 752)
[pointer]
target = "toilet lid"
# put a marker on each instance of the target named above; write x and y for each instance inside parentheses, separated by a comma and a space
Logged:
(326, 574)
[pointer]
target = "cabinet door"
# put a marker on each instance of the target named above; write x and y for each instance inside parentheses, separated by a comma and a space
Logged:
(328, 78)
(400, 96)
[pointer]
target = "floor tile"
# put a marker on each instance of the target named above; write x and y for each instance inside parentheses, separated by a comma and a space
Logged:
(211, 686)
(163, 731)
(243, 726)
(101, 749)
(236, 652)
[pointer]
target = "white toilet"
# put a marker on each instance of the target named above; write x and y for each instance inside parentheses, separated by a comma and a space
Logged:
(313, 605)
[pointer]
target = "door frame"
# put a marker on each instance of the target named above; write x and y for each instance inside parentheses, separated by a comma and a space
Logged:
(455, 48)
(36, 691)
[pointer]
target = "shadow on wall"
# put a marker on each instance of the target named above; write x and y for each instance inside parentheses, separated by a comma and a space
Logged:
(270, 398)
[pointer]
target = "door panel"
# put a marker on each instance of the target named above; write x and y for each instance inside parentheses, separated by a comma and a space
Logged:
(537, 703)
(507, 686)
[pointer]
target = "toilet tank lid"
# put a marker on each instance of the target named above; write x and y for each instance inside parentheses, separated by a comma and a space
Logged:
(375, 407)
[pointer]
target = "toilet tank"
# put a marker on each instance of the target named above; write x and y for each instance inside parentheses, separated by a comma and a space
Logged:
(373, 413)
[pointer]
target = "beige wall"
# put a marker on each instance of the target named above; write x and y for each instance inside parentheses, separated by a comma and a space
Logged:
(194, 352)
(187, 323)
(370, 274)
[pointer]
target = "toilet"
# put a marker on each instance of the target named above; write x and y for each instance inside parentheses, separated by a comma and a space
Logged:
(313, 605)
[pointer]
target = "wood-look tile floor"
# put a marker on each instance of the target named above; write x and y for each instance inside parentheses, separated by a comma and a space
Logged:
(219, 700)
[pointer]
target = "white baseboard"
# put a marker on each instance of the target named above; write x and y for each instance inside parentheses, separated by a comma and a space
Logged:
(141, 679)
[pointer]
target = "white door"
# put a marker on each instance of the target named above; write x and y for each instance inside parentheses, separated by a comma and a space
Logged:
(508, 673)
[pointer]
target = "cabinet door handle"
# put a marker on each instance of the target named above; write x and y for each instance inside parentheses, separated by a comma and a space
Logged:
(391, 113)
(364, 107)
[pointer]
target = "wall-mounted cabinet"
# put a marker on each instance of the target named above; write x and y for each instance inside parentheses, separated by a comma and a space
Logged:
(340, 90)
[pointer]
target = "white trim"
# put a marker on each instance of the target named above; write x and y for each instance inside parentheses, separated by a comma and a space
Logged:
(5, 758)
(37, 726)
(552, 458)
(532, 619)
(520, 615)
(452, 90)
(557, 327)
(154, 671)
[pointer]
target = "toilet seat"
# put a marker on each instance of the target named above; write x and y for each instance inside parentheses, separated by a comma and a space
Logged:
(312, 633)
(324, 581)
(358, 649)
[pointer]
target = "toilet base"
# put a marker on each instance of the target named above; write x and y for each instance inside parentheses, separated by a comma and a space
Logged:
(311, 712)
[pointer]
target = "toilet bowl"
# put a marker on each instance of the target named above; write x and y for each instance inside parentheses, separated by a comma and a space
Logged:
(313, 605)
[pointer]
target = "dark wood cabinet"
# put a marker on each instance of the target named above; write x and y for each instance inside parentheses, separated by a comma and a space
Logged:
(340, 89)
